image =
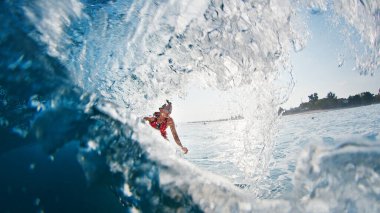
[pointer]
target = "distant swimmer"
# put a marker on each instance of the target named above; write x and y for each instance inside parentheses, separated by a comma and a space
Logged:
(161, 120)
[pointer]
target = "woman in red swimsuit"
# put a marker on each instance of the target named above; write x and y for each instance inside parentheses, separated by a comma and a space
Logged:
(161, 120)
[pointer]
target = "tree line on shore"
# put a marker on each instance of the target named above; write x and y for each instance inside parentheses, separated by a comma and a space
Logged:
(331, 101)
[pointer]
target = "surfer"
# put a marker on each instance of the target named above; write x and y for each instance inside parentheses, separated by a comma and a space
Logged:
(161, 120)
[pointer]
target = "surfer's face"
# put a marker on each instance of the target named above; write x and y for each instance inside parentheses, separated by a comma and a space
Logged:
(164, 113)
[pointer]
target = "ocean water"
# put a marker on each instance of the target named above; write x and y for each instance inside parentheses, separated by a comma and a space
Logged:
(76, 76)
(213, 145)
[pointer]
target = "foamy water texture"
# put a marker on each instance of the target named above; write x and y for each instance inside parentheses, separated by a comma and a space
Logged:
(82, 72)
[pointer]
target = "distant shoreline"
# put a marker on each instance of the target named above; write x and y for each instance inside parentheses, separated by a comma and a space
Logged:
(324, 110)
(295, 113)
(332, 102)
(239, 117)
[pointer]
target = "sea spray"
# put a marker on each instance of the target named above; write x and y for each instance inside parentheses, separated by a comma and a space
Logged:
(227, 44)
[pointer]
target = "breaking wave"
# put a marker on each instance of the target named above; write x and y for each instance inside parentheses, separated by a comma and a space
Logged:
(82, 71)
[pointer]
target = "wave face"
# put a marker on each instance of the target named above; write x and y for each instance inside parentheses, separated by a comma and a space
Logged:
(76, 72)
(330, 180)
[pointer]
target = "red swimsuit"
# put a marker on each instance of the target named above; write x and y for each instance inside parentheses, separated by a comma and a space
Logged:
(160, 126)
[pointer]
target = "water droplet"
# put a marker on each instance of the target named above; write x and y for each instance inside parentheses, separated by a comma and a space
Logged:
(37, 201)
(92, 145)
(32, 166)
(21, 132)
(340, 60)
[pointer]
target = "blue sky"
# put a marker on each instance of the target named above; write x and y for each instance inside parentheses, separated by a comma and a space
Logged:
(316, 67)
(315, 70)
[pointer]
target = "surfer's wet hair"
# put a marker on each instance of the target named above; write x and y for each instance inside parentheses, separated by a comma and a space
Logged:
(167, 107)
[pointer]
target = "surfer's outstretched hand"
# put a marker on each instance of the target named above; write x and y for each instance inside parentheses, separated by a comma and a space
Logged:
(184, 149)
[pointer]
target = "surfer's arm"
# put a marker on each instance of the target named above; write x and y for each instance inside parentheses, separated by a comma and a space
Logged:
(152, 118)
(175, 135)
(149, 118)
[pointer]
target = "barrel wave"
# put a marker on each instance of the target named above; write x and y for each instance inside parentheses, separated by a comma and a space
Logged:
(76, 76)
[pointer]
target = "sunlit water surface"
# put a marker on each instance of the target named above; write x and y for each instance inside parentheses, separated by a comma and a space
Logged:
(212, 147)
